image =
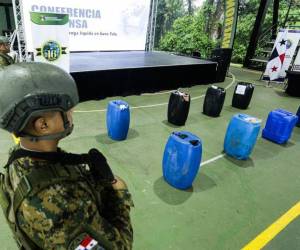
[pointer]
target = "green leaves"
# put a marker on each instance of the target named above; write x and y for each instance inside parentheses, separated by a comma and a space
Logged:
(199, 32)
(187, 35)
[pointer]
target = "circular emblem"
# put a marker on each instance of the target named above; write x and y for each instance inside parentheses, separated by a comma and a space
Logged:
(288, 44)
(51, 51)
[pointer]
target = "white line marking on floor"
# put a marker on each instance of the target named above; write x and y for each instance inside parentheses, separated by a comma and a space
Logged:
(149, 106)
(153, 105)
(158, 93)
(227, 87)
(212, 159)
(162, 93)
(90, 111)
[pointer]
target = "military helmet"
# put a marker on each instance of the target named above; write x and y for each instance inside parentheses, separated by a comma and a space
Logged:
(29, 89)
(4, 39)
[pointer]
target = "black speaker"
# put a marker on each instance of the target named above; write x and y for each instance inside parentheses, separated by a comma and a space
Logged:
(178, 108)
(222, 56)
(298, 114)
(242, 95)
(293, 86)
(214, 100)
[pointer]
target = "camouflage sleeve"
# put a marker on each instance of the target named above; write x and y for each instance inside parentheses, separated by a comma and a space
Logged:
(116, 210)
(3, 61)
(50, 217)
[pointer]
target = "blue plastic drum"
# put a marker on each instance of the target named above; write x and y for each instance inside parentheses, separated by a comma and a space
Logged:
(279, 126)
(181, 160)
(241, 136)
(117, 119)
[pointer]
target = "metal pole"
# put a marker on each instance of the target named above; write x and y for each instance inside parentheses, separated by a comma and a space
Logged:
(154, 24)
(17, 8)
(275, 18)
(151, 26)
(256, 31)
(17, 29)
(287, 13)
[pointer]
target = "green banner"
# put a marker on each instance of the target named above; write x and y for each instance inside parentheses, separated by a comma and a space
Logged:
(230, 20)
(49, 18)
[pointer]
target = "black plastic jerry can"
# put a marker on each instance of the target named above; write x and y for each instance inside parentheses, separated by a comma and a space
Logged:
(298, 114)
(178, 108)
(242, 95)
(214, 100)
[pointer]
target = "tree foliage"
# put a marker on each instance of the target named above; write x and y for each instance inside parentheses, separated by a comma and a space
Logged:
(247, 14)
(179, 30)
(167, 12)
(187, 36)
(192, 31)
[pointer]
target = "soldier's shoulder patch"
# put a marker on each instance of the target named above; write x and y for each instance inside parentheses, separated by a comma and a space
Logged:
(85, 242)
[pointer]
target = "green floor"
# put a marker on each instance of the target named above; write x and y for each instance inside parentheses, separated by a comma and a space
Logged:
(231, 201)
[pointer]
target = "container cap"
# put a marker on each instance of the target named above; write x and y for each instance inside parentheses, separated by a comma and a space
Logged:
(251, 119)
(185, 96)
(123, 106)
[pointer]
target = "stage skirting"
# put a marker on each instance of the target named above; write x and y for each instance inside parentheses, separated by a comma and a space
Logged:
(103, 74)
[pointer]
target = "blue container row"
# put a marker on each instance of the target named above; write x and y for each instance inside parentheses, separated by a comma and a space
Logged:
(243, 131)
(183, 151)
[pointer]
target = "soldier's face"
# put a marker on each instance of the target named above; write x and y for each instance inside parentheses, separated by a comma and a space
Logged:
(4, 48)
(55, 123)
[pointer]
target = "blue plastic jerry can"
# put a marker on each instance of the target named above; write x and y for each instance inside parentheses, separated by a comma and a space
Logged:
(181, 160)
(241, 136)
(279, 126)
(117, 119)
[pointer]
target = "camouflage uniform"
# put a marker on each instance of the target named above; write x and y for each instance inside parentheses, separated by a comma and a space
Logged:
(5, 60)
(61, 203)
(51, 217)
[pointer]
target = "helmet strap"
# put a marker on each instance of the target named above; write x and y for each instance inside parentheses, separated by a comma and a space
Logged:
(65, 120)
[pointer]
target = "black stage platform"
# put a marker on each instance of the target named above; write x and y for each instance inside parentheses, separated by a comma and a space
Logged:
(102, 74)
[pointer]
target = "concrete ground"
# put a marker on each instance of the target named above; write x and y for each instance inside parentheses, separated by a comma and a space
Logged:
(231, 201)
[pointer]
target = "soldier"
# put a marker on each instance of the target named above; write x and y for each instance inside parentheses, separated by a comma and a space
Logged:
(5, 58)
(53, 199)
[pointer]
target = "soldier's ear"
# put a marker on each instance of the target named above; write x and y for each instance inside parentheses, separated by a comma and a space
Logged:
(40, 125)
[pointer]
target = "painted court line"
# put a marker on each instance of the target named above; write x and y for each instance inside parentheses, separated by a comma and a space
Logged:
(153, 105)
(158, 93)
(212, 159)
(227, 87)
(269, 233)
